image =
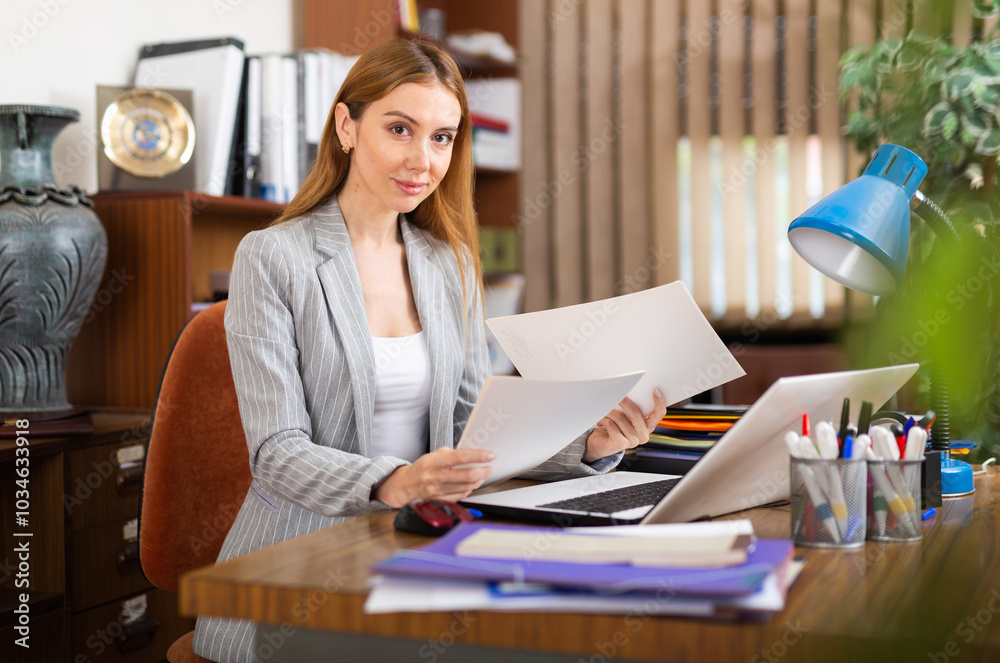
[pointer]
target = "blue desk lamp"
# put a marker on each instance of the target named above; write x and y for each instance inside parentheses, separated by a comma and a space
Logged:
(859, 236)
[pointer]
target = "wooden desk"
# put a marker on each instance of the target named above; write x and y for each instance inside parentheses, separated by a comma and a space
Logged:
(936, 600)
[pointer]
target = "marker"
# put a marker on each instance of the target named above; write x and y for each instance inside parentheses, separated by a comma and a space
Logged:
(898, 433)
(865, 420)
(862, 443)
(848, 449)
(845, 418)
(805, 425)
(928, 514)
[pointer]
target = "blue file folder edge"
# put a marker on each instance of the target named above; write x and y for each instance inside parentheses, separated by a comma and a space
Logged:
(438, 559)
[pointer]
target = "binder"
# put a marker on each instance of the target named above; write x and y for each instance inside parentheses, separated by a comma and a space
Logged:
(251, 152)
(213, 70)
(272, 185)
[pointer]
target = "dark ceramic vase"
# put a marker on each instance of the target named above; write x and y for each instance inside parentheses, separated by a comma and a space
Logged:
(52, 255)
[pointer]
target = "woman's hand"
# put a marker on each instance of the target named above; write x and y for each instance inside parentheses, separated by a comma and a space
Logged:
(436, 475)
(624, 427)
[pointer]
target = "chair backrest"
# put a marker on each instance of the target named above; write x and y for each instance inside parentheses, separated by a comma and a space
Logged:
(197, 465)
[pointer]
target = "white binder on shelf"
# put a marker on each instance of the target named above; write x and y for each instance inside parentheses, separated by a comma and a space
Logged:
(272, 186)
(213, 70)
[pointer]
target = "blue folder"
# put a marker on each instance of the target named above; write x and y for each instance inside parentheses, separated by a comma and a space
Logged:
(438, 559)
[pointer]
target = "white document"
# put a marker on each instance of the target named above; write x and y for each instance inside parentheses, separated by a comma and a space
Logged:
(213, 71)
(525, 422)
(741, 527)
(660, 330)
(392, 594)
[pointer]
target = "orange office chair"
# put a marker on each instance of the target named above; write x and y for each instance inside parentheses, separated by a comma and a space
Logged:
(197, 466)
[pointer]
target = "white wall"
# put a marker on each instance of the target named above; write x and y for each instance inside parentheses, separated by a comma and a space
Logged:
(55, 52)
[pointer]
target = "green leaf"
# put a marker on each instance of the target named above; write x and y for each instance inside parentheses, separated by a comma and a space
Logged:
(855, 76)
(958, 84)
(989, 143)
(909, 57)
(940, 120)
(984, 8)
(935, 71)
(974, 124)
(991, 51)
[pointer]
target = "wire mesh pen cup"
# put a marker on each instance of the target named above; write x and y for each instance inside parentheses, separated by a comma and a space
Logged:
(828, 500)
(893, 500)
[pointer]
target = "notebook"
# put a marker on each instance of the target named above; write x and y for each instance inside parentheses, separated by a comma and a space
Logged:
(747, 467)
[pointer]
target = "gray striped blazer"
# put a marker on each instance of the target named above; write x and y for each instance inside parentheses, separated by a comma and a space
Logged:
(304, 369)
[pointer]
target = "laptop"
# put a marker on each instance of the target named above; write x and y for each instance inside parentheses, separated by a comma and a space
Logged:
(746, 467)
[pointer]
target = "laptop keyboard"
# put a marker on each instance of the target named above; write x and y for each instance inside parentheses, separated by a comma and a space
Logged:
(619, 499)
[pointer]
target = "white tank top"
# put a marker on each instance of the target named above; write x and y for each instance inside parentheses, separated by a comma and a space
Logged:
(400, 426)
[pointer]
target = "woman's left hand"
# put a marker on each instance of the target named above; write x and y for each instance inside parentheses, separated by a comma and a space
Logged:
(623, 428)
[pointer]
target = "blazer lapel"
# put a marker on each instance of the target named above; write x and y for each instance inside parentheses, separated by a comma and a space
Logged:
(338, 275)
(429, 292)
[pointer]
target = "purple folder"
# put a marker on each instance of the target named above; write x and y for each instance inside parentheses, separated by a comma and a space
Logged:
(438, 559)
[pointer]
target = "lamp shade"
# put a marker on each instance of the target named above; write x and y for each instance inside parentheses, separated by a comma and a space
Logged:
(860, 233)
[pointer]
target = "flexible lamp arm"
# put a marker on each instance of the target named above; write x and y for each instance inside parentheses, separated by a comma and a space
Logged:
(934, 216)
(942, 226)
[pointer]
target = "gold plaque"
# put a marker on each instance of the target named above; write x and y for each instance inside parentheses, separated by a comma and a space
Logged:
(147, 133)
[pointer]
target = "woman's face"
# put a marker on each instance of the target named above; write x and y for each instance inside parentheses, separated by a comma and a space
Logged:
(402, 146)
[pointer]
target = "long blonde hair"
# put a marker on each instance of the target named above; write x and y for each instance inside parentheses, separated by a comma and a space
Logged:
(448, 213)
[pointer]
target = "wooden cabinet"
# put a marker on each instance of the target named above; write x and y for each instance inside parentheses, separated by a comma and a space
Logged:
(88, 599)
(161, 248)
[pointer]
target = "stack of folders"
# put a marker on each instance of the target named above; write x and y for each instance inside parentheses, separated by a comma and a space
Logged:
(683, 436)
(696, 569)
(289, 97)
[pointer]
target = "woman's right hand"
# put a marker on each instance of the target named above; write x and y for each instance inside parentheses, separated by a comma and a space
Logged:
(436, 475)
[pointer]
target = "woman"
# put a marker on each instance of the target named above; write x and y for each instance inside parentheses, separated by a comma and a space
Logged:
(356, 333)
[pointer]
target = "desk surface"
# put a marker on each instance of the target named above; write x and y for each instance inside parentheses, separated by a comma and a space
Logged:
(938, 599)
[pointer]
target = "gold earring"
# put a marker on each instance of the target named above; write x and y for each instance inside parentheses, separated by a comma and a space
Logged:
(346, 148)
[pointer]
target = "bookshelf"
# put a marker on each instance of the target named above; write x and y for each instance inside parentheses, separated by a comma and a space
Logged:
(161, 248)
(351, 26)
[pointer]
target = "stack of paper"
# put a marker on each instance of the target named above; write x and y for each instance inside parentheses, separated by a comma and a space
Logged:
(438, 577)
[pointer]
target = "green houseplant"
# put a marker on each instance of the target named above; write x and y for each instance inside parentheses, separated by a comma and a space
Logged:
(943, 103)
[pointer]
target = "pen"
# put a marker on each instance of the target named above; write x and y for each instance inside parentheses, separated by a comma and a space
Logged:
(805, 425)
(845, 418)
(928, 514)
